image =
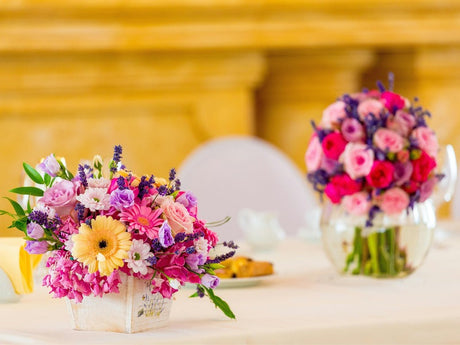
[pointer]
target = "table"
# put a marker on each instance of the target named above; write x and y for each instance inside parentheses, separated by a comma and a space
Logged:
(305, 303)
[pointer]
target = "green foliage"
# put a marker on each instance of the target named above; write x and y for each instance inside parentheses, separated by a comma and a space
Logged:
(33, 174)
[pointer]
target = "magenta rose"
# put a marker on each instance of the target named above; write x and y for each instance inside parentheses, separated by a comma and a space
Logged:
(314, 154)
(402, 123)
(61, 197)
(422, 167)
(352, 130)
(333, 114)
(357, 160)
(381, 174)
(392, 101)
(333, 145)
(357, 204)
(339, 186)
(394, 200)
(370, 106)
(386, 139)
(426, 140)
(178, 217)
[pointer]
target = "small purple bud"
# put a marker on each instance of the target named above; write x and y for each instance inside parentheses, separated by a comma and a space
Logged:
(36, 247)
(210, 281)
(35, 231)
(164, 235)
(50, 166)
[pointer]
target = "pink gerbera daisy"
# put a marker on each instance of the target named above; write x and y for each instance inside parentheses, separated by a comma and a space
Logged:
(143, 219)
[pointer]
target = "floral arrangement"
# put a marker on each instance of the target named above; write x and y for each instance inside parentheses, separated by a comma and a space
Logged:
(373, 153)
(96, 227)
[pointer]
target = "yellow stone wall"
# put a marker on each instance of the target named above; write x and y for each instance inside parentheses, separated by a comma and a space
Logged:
(161, 77)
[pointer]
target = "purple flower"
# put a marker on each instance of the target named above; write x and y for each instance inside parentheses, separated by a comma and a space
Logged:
(50, 166)
(165, 236)
(426, 189)
(402, 172)
(36, 247)
(35, 231)
(352, 130)
(187, 199)
(122, 198)
(210, 281)
(194, 260)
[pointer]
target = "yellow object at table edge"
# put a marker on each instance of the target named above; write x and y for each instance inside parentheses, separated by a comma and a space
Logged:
(18, 264)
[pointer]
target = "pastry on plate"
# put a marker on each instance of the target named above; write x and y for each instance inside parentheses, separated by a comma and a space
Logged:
(244, 267)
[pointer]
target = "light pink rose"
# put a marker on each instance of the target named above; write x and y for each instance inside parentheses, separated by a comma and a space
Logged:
(426, 140)
(61, 197)
(314, 154)
(370, 106)
(178, 217)
(332, 114)
(386, 139)
(357, 160)
(394, 200)
(357, 204)
(401, 123)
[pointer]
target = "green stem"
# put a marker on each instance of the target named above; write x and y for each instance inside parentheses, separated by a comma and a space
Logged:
(372, 241)
(383, 253)
(392, 248)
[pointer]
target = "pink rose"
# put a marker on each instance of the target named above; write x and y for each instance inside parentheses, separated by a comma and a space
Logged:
(369, 106)
(401, 123)
(333, 114)
(178, 217)
(386, 139)
(357, 160)
(381, 174)
(353, 130)
(422, 167)
(426, 140)
(333, 145)
(61, 196)
(394, 201)
(314, 154)
(357, 204)
(392, 101)
(340, 186)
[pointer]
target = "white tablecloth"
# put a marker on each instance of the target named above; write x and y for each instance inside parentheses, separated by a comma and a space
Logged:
(307, 302)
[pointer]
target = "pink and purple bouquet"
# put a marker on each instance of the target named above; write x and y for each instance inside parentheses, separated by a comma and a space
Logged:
(373, 152)
(96, 227)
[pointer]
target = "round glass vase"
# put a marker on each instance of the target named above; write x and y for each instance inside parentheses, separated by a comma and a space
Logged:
(393, 247)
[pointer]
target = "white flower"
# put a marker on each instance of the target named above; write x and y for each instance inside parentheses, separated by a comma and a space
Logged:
(138, 256)
(95, 199)
(51, 212)
(201, 246)
(98, 183)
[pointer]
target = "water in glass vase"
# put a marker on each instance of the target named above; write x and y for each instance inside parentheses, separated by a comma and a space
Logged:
(393, 247)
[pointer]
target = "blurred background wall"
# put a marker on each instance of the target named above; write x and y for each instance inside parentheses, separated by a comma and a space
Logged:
(161, 77)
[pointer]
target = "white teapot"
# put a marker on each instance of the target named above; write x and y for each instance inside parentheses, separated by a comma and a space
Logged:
(7, 293)
(262, 230)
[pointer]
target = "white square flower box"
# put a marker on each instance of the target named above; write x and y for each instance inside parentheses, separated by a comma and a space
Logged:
(134, 309)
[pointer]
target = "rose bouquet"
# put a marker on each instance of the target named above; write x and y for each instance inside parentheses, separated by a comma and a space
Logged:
(373, 154)
(96, 228)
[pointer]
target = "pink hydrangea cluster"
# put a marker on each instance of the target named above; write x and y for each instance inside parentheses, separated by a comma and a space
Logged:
(373, 152)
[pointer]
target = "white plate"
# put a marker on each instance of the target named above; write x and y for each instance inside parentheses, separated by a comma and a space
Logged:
(226, 283)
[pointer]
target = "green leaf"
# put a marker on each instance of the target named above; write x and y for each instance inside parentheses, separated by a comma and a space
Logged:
(216, 266)
(16, 206)
(28, 191)
(193, 295)
(33, 174)
(220, 303)
(47, 179)
(20, 225)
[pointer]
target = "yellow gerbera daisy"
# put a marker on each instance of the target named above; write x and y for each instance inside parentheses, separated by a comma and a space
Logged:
(103, 246)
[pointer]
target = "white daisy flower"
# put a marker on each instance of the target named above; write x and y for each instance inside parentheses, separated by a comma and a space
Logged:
(138, 256)
(95, 199)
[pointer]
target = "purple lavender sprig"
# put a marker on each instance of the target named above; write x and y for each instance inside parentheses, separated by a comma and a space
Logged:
(145, 186)
(82, 176)
(117, 152)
